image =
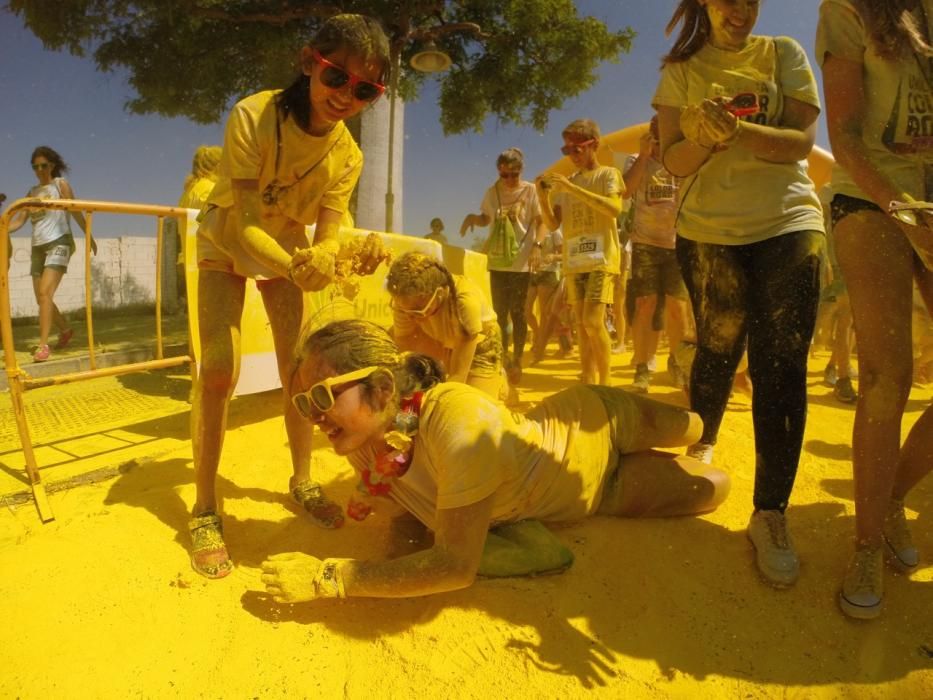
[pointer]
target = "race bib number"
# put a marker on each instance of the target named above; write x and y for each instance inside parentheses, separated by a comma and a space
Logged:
(585, 253)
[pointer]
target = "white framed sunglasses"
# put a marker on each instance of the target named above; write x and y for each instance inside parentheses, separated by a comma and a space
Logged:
(320, 398)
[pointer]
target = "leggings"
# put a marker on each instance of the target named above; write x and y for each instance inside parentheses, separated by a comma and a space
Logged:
(767, 294)
(509, 290)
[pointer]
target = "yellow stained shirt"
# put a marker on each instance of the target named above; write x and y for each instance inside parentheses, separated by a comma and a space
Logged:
(249, 153)
(464, 318)
(591, 241)
(550, 464)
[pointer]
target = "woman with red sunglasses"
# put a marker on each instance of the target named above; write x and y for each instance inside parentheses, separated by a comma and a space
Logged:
(462, 463)
(749, 237)
(288, 162)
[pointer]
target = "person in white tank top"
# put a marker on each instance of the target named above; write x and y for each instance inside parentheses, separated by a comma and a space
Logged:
(52, 245)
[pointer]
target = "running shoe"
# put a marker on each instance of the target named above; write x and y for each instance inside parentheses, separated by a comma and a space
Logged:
(844, 391)
(863, 586)
(774, 549)
(42, 354)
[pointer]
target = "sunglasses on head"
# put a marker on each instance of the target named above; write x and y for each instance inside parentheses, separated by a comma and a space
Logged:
(421, 313)
(575, 148)
(41, 166)
(335, 77)
(320, 398)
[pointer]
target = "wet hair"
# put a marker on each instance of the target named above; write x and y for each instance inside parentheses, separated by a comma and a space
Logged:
(59, 167)
(581, 130)
(512, 158)
(204, 164)
(893, 27)
(361, 35)
(351, 344)
(417, 274)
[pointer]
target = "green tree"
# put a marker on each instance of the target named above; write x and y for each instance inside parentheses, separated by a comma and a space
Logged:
(515, 59)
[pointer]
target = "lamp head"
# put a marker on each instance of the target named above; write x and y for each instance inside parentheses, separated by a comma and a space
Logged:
(430, 59)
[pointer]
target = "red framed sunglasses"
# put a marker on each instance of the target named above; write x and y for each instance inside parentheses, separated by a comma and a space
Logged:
(575, 148)
(743, 104)
(335, 77)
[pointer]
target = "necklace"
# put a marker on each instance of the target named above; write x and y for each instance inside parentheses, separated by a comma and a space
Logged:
(393, 461)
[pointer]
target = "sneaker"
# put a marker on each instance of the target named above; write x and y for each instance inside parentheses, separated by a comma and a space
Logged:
(678, 376)
(843, 390)
(777, 560)
(653, 363)
(899, 545)
(829, 374)
(863, 586)
(619, 348)
(42, 353)
(64, 338)
(701, 451)
(642, 379)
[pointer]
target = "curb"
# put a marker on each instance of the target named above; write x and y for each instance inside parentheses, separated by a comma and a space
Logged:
(81, 363)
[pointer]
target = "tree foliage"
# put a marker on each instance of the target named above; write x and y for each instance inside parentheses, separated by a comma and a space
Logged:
(515, 59)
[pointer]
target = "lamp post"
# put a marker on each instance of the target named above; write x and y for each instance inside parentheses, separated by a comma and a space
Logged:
(429, 60)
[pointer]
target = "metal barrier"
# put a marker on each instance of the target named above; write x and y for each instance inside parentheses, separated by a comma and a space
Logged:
(20, 381)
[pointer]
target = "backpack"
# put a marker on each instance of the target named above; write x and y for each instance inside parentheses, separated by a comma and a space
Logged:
(502, 245)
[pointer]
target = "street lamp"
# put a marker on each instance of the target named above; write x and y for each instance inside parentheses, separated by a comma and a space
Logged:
(429, 60)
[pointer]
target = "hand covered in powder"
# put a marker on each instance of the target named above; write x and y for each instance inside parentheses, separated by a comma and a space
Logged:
(719, 123)
(290, 577)
(314, 268)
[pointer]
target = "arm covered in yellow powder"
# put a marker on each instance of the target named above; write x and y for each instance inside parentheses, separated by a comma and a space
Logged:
(312, 268)
(461, 358)
(449, 565)
(606, 204)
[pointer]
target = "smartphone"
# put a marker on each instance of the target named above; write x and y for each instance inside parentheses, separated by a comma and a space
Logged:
(743, 104)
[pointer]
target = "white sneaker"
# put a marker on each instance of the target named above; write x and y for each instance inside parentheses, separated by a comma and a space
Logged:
(774, 549)
(863, 586)
(899, 545)
(701, 451)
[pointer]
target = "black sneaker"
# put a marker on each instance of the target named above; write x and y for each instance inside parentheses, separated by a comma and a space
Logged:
(843, 390)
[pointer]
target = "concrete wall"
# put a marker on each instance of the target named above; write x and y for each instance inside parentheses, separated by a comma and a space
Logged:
(123, 272)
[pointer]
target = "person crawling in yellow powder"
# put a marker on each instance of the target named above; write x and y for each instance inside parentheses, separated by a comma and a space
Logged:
(477, 474)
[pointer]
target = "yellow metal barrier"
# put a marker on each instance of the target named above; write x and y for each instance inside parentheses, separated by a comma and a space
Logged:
(18, 380)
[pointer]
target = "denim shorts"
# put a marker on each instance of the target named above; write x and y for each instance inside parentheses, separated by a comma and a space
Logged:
(54, 255)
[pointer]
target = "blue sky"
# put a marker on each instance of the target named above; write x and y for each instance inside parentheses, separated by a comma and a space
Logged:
(60, 100)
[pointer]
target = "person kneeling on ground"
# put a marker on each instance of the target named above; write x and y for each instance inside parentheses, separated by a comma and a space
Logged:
(462, 463)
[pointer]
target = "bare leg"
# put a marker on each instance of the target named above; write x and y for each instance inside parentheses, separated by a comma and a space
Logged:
(675, 322)
(842, 340)
(598, 344)
(220, 306)
(877, 261)
(283, 302)
(44, 288)
(644, 337)
(916, 458)
(655, 484)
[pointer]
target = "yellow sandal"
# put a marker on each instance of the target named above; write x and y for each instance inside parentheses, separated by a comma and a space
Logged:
(322, 510)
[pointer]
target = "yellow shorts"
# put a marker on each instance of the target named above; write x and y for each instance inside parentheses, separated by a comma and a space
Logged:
(220, 247)
(596, 287)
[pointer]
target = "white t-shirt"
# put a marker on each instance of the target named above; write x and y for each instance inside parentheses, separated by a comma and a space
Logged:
(736, 198)
(522, 206)
(655, 203)
(48, 224)
(897, 126)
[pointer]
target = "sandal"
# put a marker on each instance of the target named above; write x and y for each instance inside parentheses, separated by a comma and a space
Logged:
(208, 552)
(323, 511)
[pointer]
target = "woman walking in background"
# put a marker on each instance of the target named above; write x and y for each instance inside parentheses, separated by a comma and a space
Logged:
(52, 245)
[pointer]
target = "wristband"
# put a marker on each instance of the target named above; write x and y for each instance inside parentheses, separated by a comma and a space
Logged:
(328, 583)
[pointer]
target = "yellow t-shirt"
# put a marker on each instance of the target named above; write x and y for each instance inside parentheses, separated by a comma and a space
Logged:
(464, 318)
(897, 125)
(736, 198)
(550, 464)
(312, 172)
(591, 240)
